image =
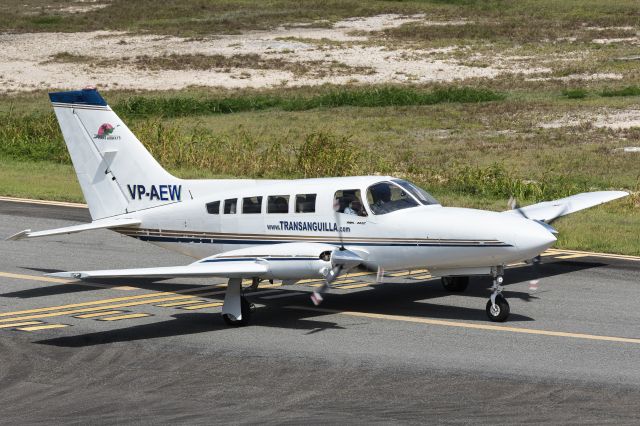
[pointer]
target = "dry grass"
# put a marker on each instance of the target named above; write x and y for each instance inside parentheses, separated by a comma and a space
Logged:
(247, 61)
(201, 62)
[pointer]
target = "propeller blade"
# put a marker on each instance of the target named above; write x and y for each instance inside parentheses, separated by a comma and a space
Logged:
(534, 284)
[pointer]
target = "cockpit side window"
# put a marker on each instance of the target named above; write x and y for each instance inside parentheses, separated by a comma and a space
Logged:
(420, 194)
(385, 197)
(305, 203)
(349, 201)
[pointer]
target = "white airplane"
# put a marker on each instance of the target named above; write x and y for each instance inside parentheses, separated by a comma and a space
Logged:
(288, 230)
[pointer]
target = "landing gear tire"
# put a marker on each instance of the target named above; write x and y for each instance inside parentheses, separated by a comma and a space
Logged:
(500, 311)
(246, 308)
(455, 284)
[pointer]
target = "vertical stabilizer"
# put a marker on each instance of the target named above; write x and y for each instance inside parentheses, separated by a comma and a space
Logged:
(116, 172)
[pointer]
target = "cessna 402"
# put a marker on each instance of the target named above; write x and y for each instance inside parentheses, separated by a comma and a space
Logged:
(288, 229)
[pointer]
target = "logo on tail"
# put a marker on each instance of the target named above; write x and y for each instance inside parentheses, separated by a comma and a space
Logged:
(105, 132)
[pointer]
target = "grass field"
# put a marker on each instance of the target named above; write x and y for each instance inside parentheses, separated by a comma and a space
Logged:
(472, 142)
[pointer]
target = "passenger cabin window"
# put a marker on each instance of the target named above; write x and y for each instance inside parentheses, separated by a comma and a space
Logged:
(349, 201)
(213, 208)
(278, 204)
(252, 205)
(385, 197)
(230, 206)
(305, 203)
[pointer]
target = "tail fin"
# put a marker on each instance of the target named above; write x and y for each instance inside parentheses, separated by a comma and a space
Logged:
(117, 174)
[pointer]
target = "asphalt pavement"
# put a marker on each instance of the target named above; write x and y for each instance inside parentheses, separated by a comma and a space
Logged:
(405, 351)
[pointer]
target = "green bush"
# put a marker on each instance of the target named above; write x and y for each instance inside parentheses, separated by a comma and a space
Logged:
(575, 93)
(375, 96)
(625, 91)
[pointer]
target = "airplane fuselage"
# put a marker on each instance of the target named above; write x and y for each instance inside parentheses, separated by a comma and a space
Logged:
(421, 235)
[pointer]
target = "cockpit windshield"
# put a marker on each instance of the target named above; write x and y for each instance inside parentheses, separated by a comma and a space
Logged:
(420, 194)
(386, 197)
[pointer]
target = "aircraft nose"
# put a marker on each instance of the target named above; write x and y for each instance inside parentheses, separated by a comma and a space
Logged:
(534, 237)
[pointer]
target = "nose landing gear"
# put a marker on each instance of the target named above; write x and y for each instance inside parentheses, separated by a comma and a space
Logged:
(497, 306)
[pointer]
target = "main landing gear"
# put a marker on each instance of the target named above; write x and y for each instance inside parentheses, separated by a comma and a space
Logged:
(236, 310)
(497, 306)
(455, 284)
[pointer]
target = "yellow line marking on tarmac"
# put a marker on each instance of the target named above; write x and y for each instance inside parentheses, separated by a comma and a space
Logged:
(320, 280)
(113, 300)
(339, 282)
(183, 302)
(422, 277)
(349, 287)
(34, 278)
(123, 317)
(45, 202)
(270, 285)
(18, 324)
(42, 327)
(97, 314)
(398, 274)
(202, 306)
(101, 308)
(61, 281)
(470, 325)
(607, 255)
(570, 256)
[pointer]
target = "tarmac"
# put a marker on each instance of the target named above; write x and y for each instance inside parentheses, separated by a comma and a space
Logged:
(404, 351)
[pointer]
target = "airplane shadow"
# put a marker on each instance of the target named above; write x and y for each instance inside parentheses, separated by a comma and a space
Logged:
(153, 284)
(181, 324)
(400, 299)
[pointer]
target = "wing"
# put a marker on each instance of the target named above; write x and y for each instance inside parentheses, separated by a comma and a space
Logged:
(551, 210)
(273, 261)
(98, 224)
(221, 269)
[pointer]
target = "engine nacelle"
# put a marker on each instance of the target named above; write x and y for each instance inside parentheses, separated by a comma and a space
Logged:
(296, 260)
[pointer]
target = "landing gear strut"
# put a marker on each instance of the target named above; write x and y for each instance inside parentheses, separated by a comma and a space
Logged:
(236, 310)
(497, 306)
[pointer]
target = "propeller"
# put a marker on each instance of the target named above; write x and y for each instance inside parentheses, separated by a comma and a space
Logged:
(536, 261)
(514, 206)
(341, 260)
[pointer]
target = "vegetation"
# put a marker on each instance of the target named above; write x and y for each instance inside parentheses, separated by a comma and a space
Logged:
(625, 91)
(331, 97)
(575, 93)
(201, 62)
(474, 143)
(499, 18)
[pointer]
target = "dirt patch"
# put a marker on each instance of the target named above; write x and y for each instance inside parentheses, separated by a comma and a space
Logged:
(584, 77)
(287, 56)
(612, 119)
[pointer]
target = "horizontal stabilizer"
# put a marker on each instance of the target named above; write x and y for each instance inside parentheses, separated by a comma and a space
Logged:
(550, 210)
(98, 224)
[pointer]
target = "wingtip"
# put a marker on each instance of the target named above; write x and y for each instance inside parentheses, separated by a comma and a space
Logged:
(18, 236)
(74, 275)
